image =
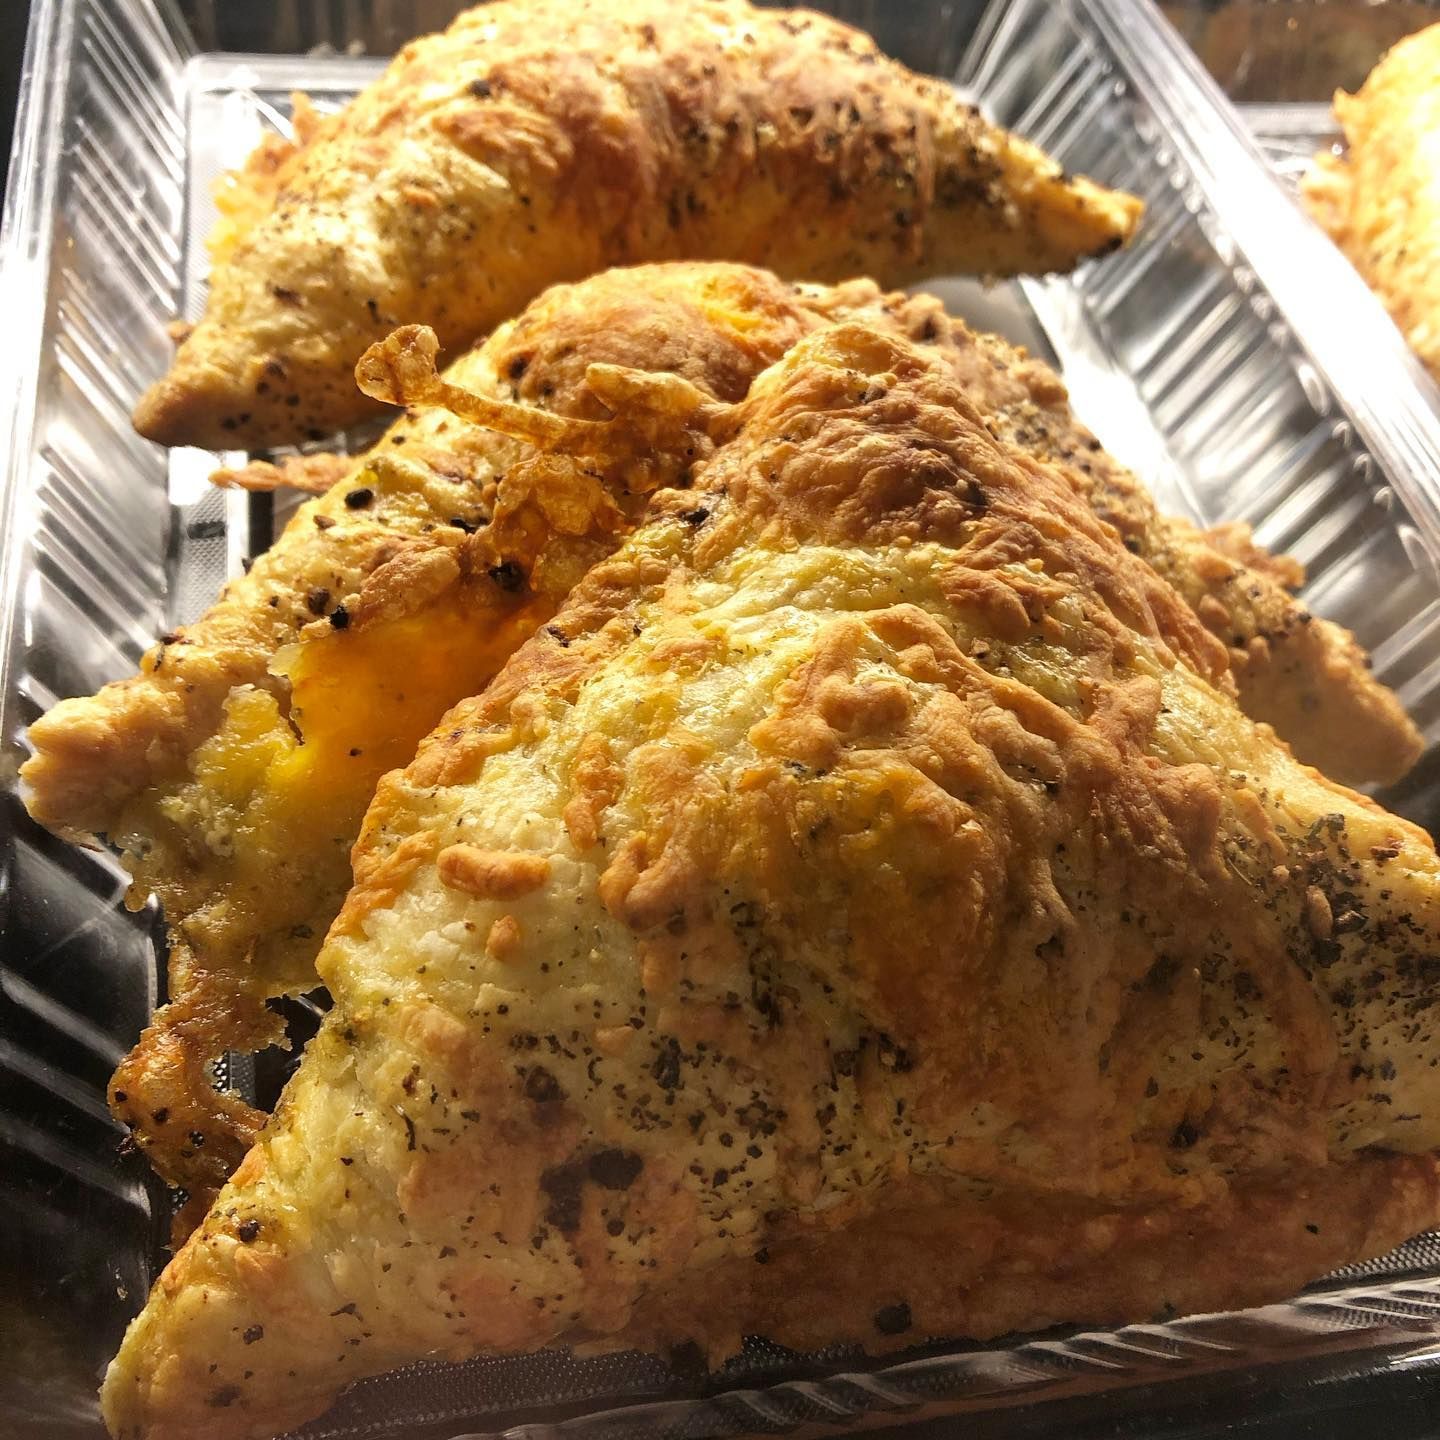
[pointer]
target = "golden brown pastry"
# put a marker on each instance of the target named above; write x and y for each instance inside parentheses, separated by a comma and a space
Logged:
(1304, 675)
(235, 770)
(854, 917)
(542, 140)
(1380, 201)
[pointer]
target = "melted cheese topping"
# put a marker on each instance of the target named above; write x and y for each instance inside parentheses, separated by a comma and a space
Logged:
(276, 798)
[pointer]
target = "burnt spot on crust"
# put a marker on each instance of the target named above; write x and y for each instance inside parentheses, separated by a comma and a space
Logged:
(1184, 1136)
(893, 1319)
(666, 1068)
(615, 1169)
(562, 1185)
(611, 1169)
(508, 575)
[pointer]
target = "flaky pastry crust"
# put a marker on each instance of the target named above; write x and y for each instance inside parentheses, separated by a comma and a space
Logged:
(859, 864)
(235, 769)
(536, 141)
(1380, 200)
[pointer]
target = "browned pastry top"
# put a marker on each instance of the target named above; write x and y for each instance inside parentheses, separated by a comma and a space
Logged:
(537, 141)
(860, 856)
(235, 769)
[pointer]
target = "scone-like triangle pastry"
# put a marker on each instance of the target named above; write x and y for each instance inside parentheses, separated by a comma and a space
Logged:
(1380, 201)
(542, 140)
(235, 769)
(852, 918)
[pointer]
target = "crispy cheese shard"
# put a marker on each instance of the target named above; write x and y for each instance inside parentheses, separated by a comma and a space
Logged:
(1380, 201)
(537, 141)
(235, 769)
(854, 917)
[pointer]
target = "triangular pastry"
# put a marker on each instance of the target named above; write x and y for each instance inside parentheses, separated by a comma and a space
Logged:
(853, 917)
(1380, 200)
(1306, 676)
(541, 140)
(234, 771)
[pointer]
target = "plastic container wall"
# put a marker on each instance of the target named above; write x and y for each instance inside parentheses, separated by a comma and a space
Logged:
(89, 282)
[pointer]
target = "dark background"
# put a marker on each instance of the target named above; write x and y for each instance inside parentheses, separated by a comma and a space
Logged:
(13, 14)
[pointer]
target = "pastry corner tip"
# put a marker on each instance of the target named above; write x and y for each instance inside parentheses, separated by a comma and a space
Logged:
(164, 414)
(1123, 212)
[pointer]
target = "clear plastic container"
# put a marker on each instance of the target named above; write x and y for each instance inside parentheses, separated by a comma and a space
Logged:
(1291, 134)
(1208, 357)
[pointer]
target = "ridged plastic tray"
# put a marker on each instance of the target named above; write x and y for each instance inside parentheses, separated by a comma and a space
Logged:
(1205, 357)
(1291, 135)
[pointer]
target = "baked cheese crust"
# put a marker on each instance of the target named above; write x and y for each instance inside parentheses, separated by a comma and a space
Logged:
(854, 917)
